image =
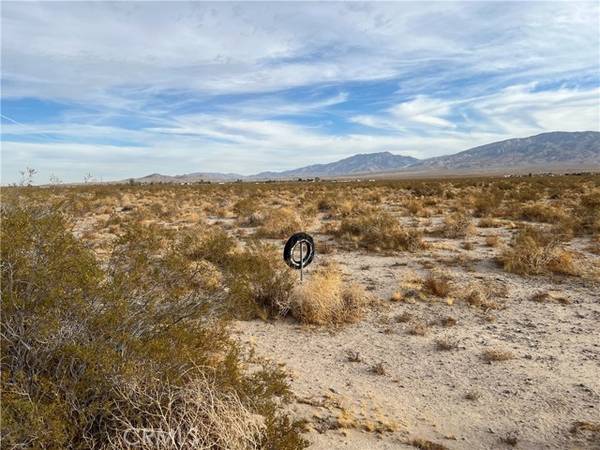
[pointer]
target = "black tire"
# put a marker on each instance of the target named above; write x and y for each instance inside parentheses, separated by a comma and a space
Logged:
(288, 250)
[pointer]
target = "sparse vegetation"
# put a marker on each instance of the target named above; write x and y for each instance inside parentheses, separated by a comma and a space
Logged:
(118, 300)
(379, 231)
(324, 299)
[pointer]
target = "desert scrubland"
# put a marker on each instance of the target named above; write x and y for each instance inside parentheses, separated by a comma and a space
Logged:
(453, 313)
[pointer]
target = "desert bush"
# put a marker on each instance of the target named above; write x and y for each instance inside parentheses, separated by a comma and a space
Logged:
(211, 244)
(489, 222)
(437, 284)
(540, 212)
(492, 240)
(487, 203)
(534, 251)
(280, 223)
(260, 285)
(92, 351)
(493, 354)
(456, 225)
(324, 299)
(588, 213)
(379, 231)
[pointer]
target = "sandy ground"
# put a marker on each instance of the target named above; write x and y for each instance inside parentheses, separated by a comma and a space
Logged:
(453, 398)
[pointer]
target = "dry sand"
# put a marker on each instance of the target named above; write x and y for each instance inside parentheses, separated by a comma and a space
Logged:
(453, 398)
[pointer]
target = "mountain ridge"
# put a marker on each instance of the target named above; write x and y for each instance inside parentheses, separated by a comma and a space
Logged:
(550, 150)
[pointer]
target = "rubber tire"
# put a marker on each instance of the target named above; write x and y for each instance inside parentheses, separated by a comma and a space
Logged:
(289, 247)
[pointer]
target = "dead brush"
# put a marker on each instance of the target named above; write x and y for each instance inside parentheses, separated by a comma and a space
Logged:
(418, 328)
(479, 297)
(489, 222)
(492, 240)
(547, 297)
(324, 299)
(446, 343)
(437, 283)
(534, 251)
(425, 444)
(378, 230)
(280, 223)
(491, 355)
(456, 225)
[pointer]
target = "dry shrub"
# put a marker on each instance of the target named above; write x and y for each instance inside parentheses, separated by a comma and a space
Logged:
(425, 444)
(418, 329)
(446, 343)
(540, 212)
(588, 212)
(196, 416)
(280, 223)
(448, 321)
(492, 240)
(480, 298)
(456, 225)
(584, 425)
(212, 244)
(324, 299)
(564, 263)
(489, 222)
(92, 351)
(437, 283)
(534, 251)
(379, 231)
(490, 355)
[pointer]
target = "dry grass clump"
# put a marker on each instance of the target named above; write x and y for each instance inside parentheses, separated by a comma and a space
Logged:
(457, 225)
(584, 425)
(490, 355)
(437, 283)
(446, 343)
(323, 299)
(548, 297)
(492, 240)
(534, 251)
(480, 298)
(280, 223)
(379, 231)
(489, 222)
(418, 329)
(212, 244)
(425, 444)
(541, 212)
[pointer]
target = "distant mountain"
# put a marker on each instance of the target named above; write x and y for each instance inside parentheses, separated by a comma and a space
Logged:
(363, 163)
(189, 178)
(544, 152)
(547, 150)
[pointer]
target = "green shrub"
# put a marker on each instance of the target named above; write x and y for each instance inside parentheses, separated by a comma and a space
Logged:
(260, 284)
(92, 353)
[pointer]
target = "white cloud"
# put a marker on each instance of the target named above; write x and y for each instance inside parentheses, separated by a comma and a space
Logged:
(455, 75)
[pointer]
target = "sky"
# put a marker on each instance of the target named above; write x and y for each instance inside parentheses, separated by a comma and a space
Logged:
(125, 89)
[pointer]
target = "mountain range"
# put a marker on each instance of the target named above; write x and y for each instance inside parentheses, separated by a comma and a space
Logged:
(552, 151)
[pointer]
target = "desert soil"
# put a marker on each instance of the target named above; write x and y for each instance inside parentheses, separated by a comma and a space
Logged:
(452, 398)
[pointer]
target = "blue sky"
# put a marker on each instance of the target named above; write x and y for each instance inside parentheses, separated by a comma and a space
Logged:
(126, 89)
